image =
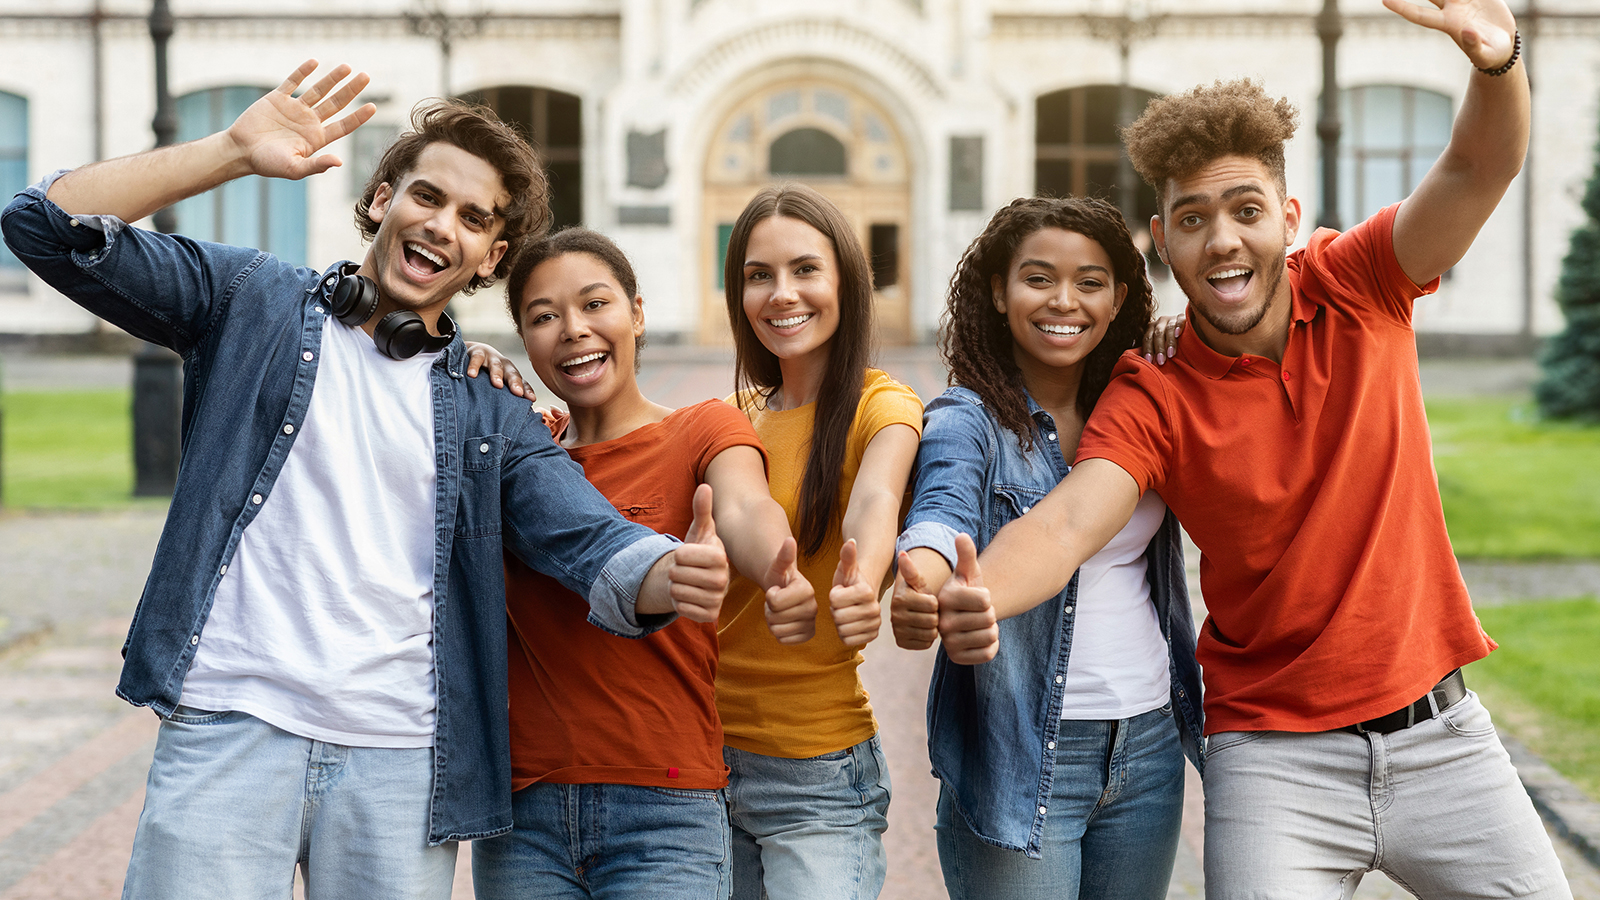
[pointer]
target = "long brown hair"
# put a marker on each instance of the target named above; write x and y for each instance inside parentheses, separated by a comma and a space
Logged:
(976, 341)
(756, 370)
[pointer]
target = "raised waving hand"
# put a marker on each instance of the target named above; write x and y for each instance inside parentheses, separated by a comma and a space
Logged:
(1484, 29)
(281, 134)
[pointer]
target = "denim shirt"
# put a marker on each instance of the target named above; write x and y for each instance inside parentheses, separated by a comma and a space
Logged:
(991, 727)
(249, 329)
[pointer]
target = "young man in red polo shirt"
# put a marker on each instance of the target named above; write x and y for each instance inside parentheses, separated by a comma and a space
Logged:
(1289, 436)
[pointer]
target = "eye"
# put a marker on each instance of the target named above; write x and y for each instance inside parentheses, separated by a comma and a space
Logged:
(1189, 221)
(1037, 280)
(806, 269)
(758, 275)
(594, 304)
(1250, 212)
(1091, 284)
(542, 318)
(425, 196)
(473, 220)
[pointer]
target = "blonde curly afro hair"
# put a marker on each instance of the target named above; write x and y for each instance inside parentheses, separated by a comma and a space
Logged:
(1180, 134)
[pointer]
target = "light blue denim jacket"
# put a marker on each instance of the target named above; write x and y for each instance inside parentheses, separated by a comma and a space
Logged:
(249, 329)
(990, 726)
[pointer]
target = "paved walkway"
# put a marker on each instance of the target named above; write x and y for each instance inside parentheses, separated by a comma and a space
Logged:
(72, 769)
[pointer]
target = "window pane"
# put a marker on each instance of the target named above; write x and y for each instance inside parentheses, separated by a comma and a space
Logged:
(1382, 118)
(1053, 118)
(806, 151)
(724, 235)
(268, 214)
(885, 243)
(13, 171)
(1102, 182)
(1103, 107)
(286, 231)
(566, 194)
(1431, 127)
(565, 115)
(1382, 183)
(1052, 178)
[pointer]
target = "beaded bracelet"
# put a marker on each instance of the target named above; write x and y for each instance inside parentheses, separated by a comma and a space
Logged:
(1516, 51)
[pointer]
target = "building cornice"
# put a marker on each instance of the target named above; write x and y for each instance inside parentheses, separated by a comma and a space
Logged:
(819, 37)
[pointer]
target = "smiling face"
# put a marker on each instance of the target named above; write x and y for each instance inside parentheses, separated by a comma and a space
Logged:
(437, 228)
(1225, 233)
(579, 328)
(791, 288)
(1059, 296)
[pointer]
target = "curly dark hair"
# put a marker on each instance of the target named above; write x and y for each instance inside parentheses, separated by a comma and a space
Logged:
(574, 239)
(477, 130)
(756, 368)
(976, 341)
(1179, 134)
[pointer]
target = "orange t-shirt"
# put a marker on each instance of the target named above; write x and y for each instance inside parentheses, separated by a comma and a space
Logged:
(1333, 593)
(588, 707)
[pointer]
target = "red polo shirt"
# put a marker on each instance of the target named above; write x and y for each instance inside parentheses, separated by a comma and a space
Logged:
(1333, 593)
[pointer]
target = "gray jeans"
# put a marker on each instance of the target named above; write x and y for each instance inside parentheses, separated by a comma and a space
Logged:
(1436, 807)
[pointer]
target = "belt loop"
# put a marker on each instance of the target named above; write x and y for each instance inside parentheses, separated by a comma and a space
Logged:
(1411, 713)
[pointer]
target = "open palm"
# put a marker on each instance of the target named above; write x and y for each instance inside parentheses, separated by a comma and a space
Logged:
(1483, 29)
(281, 134)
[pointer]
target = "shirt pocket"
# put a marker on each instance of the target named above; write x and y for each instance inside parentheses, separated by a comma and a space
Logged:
(479, 514)
(1011, 502)
(641, 510)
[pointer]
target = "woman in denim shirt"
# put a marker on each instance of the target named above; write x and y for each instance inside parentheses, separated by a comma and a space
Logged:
(1060, 762)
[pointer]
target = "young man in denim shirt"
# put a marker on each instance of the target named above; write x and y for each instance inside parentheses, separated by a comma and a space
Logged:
(323, 630)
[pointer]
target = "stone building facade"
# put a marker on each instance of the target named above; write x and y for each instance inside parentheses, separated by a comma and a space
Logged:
(659, 118)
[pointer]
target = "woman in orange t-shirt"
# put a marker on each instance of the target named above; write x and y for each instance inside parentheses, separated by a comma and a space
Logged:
(616, 743)
(808, 791)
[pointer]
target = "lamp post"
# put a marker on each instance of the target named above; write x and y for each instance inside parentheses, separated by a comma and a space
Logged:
(1329, 28)
(157, 379)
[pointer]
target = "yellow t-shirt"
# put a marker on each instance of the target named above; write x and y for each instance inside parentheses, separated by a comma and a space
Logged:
(805, 700)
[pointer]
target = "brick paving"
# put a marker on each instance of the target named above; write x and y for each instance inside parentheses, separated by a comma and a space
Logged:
(73, 762)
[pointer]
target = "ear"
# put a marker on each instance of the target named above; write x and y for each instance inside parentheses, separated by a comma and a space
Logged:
(638, 315)
(1291, 220)
(997, 293)
(1122, 294)
(1158, 236)
(380, 203)
(496, 251)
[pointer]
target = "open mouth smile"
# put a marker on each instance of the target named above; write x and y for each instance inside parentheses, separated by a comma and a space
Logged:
(1060, 330)
(423, 261)
(584, 368)
(1230, 283)
(790, 322)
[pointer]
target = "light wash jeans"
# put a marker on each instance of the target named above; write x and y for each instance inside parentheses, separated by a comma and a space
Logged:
(809, 829)
(1111, 833)
(233, 804)
(1437, 807)
(608, 841)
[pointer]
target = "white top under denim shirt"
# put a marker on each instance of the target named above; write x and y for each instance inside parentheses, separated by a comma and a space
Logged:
(992, 727)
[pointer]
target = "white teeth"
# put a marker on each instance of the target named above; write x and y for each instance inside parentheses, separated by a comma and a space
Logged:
(591, 357)
(789, 322)
(1227, 273)
(426, 254)
(1061, 329)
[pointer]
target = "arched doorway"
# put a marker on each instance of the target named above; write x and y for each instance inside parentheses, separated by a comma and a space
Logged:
(552, 122)
(831, 137)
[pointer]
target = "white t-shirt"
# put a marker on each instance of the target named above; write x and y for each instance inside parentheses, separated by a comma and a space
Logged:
(1118, 664)
(323, 623)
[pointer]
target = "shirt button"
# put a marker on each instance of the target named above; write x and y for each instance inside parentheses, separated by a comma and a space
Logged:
(288, 429)
(1286, 376)
(1025, 509)
(1245, 361)
(1059, 679)
(1050, 746)
(1041, 810)
(194, 640)
(256, 499)
(483, 448)
(1069, 610)
(317, 308)
(307, 356)
(73, 222)
(1052, 435)
(223, 570)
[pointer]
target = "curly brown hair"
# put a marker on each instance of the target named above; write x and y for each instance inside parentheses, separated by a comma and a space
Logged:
(1179, 134)
(574, 239)
(976, 341)
(477, 130)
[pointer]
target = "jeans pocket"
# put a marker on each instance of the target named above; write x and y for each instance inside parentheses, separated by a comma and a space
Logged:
(1467, 718)
(188, 715)
(1224, 740)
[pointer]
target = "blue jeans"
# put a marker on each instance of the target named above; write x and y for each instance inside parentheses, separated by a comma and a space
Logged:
(607, 840)
(809, 829)
(233, 804)
(1111, 831)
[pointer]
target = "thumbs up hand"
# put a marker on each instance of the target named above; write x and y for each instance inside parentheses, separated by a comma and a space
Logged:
(913, 609)
(966, 616)
(791, 601)
(853, 601)
(699, 571)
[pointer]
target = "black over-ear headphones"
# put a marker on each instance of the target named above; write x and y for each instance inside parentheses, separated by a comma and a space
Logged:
(399, 335)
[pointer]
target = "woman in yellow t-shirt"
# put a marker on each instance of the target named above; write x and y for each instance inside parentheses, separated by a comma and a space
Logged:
(808, 790)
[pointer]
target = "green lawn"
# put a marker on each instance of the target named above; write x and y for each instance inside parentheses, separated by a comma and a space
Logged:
(1543, 684)
(68, 449)
(1515, 487)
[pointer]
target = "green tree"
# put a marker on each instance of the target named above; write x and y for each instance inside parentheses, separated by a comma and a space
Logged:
(1571, 384)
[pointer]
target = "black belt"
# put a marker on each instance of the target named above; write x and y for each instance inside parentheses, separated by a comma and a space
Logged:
(1450, 689)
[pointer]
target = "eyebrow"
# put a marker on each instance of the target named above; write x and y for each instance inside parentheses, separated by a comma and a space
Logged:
(1248, 187)
(425, 184)
(546, 301)
(806, 257)
(1039, 263)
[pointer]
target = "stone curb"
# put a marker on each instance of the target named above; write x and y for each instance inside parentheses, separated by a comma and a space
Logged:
(1568, 810)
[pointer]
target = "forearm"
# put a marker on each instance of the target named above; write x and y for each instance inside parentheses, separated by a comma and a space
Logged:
(753, 532)
(133, 187)
(1489, 138)
(873, 522)
(1027, 563)
(932, 566)
(655, 592)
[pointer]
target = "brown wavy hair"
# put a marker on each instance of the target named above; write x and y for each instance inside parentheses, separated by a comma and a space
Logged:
(477, 130)
(756, 369)
(1179, 134)
(975, 340)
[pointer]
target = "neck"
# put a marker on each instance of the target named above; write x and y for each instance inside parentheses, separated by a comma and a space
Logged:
(1055, 389)
(802, 380)
(1269, 338)
(618, 416)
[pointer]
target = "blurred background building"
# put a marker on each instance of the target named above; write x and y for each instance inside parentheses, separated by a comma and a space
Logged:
(659, 118)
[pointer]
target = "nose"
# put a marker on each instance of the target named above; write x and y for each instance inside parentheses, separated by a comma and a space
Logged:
(1223, 238)
(575, 328)
(1064, 299)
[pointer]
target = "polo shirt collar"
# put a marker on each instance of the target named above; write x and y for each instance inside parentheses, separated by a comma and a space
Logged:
(1198, 353)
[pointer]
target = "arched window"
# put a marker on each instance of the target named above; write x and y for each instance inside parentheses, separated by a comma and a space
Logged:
(265, 213)
(1392, 135)
(807, 151)
(553, 123)
(13, 175)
